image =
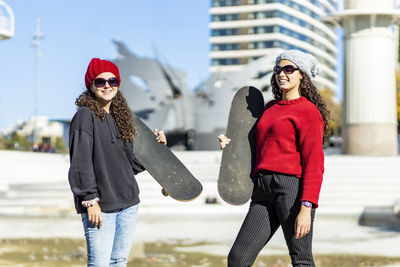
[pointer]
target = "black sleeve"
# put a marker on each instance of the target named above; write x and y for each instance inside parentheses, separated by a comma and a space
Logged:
(137, 167)
(81, 173)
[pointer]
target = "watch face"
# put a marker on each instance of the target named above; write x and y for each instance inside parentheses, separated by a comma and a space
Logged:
(307, 204)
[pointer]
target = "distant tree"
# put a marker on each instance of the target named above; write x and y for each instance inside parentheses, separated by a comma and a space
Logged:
(398, 104)
(16, 142)
(335, 107)
(398, 93)
(3, 142)
(60, 146)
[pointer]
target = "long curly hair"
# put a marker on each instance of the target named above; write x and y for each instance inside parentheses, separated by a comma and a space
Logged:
(119, 110)
(309, 91)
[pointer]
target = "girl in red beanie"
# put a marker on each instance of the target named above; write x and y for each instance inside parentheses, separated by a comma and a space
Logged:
(103, 166)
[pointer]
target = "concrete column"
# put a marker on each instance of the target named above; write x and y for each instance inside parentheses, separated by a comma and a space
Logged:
(370, 124)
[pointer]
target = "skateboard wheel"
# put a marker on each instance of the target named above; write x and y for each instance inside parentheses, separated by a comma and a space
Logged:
(165, 193)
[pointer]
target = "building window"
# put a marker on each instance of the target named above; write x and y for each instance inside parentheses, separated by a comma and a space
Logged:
(223, 32)
(224, 47)
(218, 3)
(225, 17)
(315, 16)
(225, 61)
(215, 18)
(315, 2)
(266, 1)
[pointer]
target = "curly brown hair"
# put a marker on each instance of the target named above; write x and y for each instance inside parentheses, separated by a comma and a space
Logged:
(119, 110)
(309, 91)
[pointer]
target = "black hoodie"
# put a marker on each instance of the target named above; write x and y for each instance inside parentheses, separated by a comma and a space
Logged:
(102, 165)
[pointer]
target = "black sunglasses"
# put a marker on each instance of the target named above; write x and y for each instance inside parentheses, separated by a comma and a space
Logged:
(288, 69)
(101, 82)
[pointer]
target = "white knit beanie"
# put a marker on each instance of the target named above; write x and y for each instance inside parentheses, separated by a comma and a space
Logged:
(306, 62)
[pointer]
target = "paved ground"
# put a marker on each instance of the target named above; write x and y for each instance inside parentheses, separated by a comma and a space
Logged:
(217, 227)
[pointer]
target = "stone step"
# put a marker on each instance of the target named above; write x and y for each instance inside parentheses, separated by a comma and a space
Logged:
(37, 194)
(350, 182)
(32, 202)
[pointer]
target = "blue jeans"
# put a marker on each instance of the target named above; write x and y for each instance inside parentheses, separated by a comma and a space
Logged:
(110, 245)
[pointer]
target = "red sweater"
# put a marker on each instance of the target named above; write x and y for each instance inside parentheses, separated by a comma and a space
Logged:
(289, 140)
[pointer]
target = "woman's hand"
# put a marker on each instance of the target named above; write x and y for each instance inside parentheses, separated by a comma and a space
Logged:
(161, 138)
(94, 215)
(302, 225)
(223, 141)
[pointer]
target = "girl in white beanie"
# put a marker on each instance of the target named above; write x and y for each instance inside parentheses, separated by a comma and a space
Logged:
(289, 164)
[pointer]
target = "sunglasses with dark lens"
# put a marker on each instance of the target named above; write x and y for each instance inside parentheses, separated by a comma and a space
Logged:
(288, 69)
(101, 82)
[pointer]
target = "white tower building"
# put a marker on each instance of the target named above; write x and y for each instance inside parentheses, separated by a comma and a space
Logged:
(6, 21)
(370, 124)
(245, 30)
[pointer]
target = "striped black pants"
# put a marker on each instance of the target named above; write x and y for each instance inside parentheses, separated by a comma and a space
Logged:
(275, 202)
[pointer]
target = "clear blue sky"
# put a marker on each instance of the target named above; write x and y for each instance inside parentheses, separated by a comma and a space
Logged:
(77, 30)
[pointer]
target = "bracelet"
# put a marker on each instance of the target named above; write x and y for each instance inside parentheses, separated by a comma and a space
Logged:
(89, 203)
(307, 204)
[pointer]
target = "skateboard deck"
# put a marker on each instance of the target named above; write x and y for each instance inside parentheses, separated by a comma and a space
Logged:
(235, 181)
(174, 178)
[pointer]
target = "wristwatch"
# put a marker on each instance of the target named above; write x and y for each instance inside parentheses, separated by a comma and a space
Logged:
(306, 204)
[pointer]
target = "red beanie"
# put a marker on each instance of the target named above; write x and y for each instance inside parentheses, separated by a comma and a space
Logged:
(98, 66)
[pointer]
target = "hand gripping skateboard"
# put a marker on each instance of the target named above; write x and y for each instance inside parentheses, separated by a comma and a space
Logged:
(174, 178)
(235, 181)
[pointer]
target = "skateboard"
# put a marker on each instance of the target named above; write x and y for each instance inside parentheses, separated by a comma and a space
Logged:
(235, 181)
(174, 178)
